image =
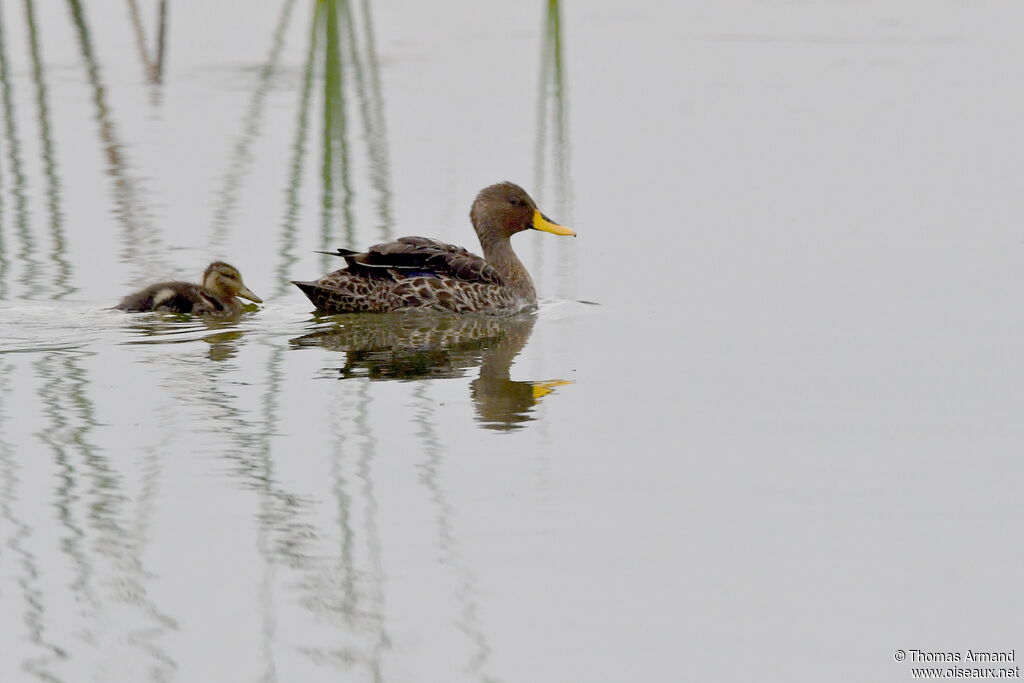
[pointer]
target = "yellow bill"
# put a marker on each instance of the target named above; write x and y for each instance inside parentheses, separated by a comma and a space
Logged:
(542, 222)
(542, 389)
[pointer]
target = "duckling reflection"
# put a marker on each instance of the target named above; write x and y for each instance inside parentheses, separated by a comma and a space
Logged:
(424, 345)
(223, 345)
(220, 335)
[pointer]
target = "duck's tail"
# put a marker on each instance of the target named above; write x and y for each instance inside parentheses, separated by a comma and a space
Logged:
(337, 299)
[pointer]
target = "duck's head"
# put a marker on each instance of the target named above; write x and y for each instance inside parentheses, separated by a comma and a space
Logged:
(225, 281)
(504, 209)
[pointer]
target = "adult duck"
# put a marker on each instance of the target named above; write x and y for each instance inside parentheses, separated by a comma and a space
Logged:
(222, 284)
(423, 273)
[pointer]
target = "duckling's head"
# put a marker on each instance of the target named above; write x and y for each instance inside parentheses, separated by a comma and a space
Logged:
(504, 209)
(224, 280)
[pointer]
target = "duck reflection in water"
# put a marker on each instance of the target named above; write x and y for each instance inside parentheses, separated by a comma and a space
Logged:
(416, 345)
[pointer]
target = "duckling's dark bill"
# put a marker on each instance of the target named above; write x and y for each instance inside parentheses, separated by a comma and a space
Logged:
(545, 224)
(246, 293)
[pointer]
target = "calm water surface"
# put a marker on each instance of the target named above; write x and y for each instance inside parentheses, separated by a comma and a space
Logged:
(765, 424)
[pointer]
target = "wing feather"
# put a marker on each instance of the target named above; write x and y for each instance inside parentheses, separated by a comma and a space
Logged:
(423, 256)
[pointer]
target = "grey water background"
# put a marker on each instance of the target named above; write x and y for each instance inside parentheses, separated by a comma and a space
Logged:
(765, 425)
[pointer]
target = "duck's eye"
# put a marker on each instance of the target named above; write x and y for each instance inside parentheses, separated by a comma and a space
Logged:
(515, 201)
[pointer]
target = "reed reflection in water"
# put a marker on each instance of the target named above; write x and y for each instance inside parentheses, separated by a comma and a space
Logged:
(46, 269)
(12, 143)
(552, 150)
(350, 67)
(341, 69)
(415, 345)
(141, 242)
(83, 585)
(87, 585)
(152, 59)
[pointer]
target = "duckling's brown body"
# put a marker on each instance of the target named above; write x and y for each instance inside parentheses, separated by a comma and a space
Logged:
(179, 297)
(422, 273)
(217, 296)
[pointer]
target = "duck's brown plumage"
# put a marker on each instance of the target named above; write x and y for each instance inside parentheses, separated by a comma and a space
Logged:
(419, 272)
(222, 283)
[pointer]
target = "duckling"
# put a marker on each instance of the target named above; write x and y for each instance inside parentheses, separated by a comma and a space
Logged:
(222, 283)
(419, 272)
